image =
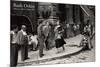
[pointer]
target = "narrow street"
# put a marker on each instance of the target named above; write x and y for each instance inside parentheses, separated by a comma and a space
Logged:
(85, 56)
(72, 54)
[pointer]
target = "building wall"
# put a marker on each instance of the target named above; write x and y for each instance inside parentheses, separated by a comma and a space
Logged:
(27, 9)
(66, 14)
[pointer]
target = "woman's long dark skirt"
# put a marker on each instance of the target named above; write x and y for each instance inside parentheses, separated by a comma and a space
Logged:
(59, 42)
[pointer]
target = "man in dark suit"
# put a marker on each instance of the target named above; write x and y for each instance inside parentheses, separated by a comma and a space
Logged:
(22, 40)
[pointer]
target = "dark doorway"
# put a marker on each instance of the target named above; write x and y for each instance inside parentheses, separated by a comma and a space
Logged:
(21, 20)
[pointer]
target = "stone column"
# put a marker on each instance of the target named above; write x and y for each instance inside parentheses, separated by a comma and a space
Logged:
(69, 20)
(69, 14)
(46, 9)
(77, 14)
(76, 17)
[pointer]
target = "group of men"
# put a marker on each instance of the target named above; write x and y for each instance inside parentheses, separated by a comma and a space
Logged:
(18, 38)
(88, 36)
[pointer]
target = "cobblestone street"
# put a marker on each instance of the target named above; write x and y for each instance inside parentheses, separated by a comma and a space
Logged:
(72, 54)
(85, 56)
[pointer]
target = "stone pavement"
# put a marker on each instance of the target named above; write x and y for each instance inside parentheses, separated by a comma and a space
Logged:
(71, 47)
(83, 56)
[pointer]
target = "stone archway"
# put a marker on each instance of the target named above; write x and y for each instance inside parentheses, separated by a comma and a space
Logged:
(21, 20)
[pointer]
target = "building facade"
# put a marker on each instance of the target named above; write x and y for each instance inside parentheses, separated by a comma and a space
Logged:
(67, 14)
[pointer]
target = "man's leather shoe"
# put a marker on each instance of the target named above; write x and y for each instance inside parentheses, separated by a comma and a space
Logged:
(41, 55)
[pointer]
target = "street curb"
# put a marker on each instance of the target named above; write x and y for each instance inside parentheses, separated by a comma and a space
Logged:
(49, 59)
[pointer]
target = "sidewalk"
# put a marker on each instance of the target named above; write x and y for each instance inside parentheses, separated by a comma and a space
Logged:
(70, 49)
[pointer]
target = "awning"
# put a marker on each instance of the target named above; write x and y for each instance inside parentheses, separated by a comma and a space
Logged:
(87, 10)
